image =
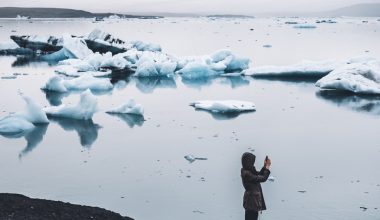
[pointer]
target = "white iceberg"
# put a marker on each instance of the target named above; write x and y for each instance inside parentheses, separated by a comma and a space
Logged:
(303, 68)
(129, 108)
(224, 106)
(33, 112)
(84, 110)
(144, 46)
(23, 121)
(84, 82)
(11, 125)
(75, 47)
(151, 68)
(359, 77)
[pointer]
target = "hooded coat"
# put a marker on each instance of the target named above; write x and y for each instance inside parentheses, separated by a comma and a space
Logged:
(253, 196)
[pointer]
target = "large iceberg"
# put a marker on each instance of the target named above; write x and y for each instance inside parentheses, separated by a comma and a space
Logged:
(224, 106)
(84, 82)
(103, 42)
(84, 110)
(42, 43)
(131, 107)
(303, 68)
(75, 47)
(358, 77)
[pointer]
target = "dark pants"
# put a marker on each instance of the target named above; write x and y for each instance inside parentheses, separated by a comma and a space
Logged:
(251, 215)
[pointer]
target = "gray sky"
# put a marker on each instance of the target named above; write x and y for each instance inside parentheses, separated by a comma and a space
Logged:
(189, 6)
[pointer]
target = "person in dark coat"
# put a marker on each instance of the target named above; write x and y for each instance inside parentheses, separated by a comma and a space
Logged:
(253, 201)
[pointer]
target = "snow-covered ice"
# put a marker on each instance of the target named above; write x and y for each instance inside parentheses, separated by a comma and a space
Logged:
(224, 106)
(84, 110)
(84, 82)
(131, 107)
(303, 68)
(357, 77)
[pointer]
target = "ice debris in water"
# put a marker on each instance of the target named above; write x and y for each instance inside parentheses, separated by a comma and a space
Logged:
(128, 108)
(192, 159)
(8, 45)
(84, 82)
(75, 47)
(357, 77)
(305, 26)
(23, 121)
(84, 110)
(271, 178)
(224, 106)
(303, 68)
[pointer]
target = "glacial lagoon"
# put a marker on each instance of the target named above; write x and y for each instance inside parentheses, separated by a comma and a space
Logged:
(324, 145)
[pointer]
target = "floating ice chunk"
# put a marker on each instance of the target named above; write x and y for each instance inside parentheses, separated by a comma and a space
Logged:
(305, 26)
(75, 47)
(84, 110)
(360, 77)
(230, 61)
(39, 42)
(55, 84)
(11, 125)
(144, 46)
(271, 178)
(304, 68)
(150, 68)
(68, 70)
(129, 108)
(33, 112)
(192, 159)
(197, 69)
(8, 45)
(103, 42)
(224, 106)
(84, 82)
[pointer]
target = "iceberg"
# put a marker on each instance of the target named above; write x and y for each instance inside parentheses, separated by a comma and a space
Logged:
(33, 112)
(11, 125)
(84, 82)
(192, 158)
(8, 45)
(357, 77)
(100, 41)
(128, 108)
(11, 48)
(149, 68)
(75, 47)
(84, 110)
(144, 46)
(224, 106)
(46, 44)
(303, 68)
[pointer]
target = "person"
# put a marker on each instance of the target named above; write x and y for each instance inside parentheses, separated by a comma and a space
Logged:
(253, 201)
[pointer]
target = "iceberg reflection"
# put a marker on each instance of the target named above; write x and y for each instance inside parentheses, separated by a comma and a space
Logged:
(361, 103)
(130, 119)
(149, 84)
(87, 130)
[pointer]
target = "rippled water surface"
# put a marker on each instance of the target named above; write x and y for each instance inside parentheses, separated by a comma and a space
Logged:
(326, 144)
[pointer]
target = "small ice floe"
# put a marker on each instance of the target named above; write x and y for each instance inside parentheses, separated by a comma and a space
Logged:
(84, 82)
(224, 106)
(218, 63)
(192, 159)
(329, 21)
(359, 77)
(304, 26)
(291, 22)
(24, 120)
(128, 108)
(271, 178)
(84, 110)
(267, 46)
(303, 68)
(150, 67)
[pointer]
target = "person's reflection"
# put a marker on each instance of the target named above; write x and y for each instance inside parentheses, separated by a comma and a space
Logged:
(130, 119)
(87, 130)
(33, 138)
(149, 84)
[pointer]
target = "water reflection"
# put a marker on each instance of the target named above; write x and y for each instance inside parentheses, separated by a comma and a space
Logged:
(149, 84)
(22, 61)
(87, 130)
(290, 79)
(130, 119)
(224, 116)
(55, 98)
(33, 138)
(361, 103)
(235, 81)
(198, 83)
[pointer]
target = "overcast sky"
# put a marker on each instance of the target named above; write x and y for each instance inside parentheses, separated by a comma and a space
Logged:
(189, 6)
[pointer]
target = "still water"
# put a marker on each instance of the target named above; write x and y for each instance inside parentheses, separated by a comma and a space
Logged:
(326, 144)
